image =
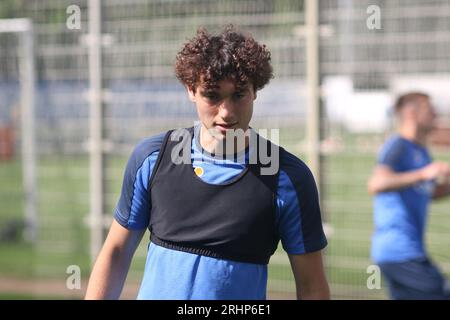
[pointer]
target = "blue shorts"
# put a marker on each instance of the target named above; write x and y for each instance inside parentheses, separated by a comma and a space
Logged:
(415, 280)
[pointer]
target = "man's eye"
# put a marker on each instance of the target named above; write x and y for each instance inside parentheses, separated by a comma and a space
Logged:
(239, 96)
(212, 97)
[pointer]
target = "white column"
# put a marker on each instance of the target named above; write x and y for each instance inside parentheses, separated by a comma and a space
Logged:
(27, 82)
(313, 88)
(96, 129)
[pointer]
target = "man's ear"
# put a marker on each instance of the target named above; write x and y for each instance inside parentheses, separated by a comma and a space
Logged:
(191, 94)
(254, 92)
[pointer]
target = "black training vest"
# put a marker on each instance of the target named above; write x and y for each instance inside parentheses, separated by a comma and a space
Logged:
(233, 221)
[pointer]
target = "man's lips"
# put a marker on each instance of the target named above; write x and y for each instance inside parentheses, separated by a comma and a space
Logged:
(225, 126)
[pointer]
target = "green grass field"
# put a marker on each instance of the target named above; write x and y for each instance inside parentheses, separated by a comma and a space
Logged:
(64, 237)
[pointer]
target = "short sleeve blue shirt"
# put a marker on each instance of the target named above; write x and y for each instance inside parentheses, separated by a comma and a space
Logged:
(400, 216)
(171, 274)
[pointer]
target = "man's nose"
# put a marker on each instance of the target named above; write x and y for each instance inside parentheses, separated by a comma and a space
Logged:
(226, 109)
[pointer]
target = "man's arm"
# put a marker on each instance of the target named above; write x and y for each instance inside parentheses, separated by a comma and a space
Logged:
(384, 179)
(111, 268)
(310, 280)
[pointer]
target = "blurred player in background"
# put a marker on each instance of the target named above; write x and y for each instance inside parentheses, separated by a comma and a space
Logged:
(214, 220)
(404, 181)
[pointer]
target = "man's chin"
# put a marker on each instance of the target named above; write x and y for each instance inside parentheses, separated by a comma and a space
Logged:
(217, 134)
(220, 133)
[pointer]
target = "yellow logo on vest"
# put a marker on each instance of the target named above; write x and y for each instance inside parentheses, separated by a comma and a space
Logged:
(199, 171)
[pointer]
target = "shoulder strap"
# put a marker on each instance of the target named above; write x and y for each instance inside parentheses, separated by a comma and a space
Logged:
(160, 155)
(158, 160)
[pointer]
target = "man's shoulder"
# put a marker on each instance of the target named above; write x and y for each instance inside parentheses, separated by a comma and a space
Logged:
(148, 146)
(394, 147)
(294, 167)
(395, 141)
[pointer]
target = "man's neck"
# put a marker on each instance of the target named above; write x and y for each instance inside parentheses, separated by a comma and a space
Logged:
(219, 147)
(412, 133)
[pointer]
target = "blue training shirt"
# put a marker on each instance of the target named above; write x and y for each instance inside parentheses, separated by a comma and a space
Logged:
(400, 216)
(171, 274)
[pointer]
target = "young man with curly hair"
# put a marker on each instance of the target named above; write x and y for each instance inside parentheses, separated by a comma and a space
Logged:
(216, 216)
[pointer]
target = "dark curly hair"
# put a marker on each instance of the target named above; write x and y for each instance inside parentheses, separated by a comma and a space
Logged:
(228, 55)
